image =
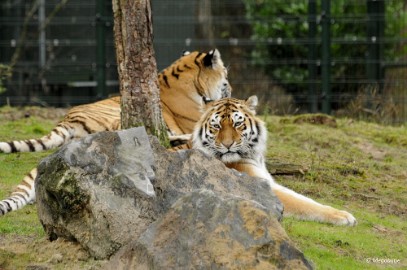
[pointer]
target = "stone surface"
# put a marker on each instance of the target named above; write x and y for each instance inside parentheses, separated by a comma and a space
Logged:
(114, 188)
(184, 171)
(97, 190)
(203, 230)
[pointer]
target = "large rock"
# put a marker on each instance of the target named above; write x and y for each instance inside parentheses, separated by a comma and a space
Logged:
(99, 190)
(203, 230)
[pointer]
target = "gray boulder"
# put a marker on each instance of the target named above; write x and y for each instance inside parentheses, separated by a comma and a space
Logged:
(112, 188)
(98, 191)
(204, 230)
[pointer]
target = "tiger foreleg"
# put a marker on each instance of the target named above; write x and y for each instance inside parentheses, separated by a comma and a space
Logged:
(295, 204)
(183, 137)
(180, 142)
(305, 208)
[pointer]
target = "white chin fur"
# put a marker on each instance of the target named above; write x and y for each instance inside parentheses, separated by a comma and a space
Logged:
(231, 157)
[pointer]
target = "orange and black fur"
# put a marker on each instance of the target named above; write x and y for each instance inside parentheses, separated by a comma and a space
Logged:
(230, 131)
(184, 86)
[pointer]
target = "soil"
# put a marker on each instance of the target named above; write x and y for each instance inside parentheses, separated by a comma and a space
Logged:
(369, 149)
(26, 112)
(41, 254)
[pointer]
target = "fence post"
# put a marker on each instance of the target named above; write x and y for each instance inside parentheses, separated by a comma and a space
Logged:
(100, 49)
(42, 35)
(375, 33)
(312, 56)
(326, 56)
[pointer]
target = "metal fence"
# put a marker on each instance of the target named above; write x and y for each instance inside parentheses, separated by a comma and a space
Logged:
(58, 50)
(341, 57)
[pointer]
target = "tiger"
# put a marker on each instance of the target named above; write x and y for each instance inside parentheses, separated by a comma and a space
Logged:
(230, 131)
(185, 85)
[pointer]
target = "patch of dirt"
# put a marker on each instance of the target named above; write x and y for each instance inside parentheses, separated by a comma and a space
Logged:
(370, 149)
(382, 230)
(25, 252)
(15, 113)
(315, 119)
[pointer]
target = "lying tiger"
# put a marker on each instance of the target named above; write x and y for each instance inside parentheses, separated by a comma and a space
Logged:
(230, 131)
(184, 86)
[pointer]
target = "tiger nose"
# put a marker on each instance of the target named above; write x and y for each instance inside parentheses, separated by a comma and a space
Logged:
(227, 143)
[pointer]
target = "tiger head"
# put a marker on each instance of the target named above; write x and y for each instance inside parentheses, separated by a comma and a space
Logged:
(190, 81)
(203, 73)
(211, 78)
(230, 131)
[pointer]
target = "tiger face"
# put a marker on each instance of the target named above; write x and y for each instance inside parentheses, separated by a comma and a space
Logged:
(230, 131)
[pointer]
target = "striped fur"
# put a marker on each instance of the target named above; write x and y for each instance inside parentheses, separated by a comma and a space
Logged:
(79, 121)
(230, 131)
(23, 194)
(204, 74)
(184, 86)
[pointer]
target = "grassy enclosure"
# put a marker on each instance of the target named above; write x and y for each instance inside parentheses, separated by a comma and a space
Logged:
(352, 165)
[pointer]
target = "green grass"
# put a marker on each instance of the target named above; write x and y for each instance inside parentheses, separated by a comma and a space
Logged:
(13, 168)
(359, 167)
(331, 247)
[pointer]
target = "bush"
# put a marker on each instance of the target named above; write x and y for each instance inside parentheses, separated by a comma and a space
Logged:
(280, 30)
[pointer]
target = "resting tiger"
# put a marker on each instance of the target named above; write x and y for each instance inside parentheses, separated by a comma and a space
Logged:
(230, 131)
(184, 86)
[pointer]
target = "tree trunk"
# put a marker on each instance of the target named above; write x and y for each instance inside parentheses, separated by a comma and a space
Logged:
(140, 96)
(205, 27)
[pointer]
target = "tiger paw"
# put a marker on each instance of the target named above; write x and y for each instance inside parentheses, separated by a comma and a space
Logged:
(343, 218)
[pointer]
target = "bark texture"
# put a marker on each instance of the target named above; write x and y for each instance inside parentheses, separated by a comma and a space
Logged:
(133, 31)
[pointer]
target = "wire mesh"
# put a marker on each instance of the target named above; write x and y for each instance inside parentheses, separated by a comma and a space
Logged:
(273, 48)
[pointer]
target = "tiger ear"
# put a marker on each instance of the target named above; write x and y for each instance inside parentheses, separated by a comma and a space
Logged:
(185, 53)
(212, 58)
(206, 104)
(252, 103)
(206, 100)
